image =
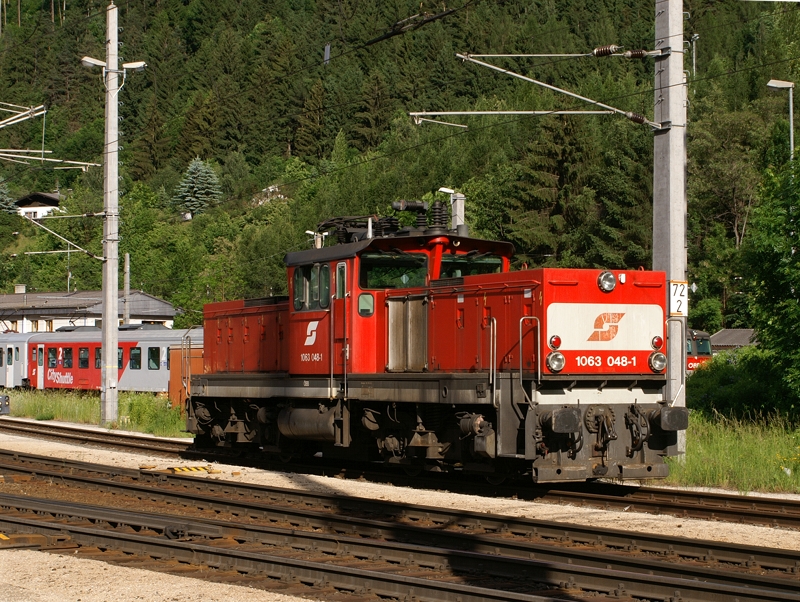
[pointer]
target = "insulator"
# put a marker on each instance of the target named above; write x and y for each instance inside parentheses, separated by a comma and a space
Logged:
(606, 50)
(636, 117)
(422, 220)
(341, 235)
(635, 54)
(389, 224)
(439, 215)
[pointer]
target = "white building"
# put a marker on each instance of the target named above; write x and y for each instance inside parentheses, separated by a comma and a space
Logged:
(47, 312)
(38, 204)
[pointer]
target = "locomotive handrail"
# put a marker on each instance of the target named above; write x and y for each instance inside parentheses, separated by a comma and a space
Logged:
(186, 359)
(538, 354)
(493, 359)
(332, 344)
(680, 321)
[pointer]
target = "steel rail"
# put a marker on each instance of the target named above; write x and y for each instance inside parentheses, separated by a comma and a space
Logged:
(130, 441)
(499, 534)
(757, 510)
(536, 572)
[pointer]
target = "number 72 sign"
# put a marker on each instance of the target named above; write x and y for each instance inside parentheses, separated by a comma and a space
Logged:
(678, 298)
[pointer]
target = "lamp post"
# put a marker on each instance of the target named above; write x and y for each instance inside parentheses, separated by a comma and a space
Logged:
(777, 84)
(108, 389)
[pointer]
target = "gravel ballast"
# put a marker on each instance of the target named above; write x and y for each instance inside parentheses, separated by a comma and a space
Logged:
(41, 577)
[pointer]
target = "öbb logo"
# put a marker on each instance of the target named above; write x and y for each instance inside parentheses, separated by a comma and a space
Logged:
(605, 327)
(311, 333)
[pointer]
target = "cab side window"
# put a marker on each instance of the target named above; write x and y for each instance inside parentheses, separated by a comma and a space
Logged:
(312, 287)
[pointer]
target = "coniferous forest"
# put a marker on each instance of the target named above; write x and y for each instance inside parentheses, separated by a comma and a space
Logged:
(240, 122)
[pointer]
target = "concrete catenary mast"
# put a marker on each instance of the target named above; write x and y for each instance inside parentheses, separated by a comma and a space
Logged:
(669, 187)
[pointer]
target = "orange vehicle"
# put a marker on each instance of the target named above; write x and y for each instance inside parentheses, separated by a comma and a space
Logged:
(698, 349)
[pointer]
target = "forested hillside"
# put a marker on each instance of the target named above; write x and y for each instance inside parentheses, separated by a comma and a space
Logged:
(243, 86)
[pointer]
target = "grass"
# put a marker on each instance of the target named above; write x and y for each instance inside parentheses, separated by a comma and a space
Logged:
(145, 412)
(745, 455)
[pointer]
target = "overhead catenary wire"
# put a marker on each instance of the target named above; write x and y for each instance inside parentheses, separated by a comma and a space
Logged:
(469, 131)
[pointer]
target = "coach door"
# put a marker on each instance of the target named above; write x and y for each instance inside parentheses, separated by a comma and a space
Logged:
(40, 367)
(9, 368)
(341, 326)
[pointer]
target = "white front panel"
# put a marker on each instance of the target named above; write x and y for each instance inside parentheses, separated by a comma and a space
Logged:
(605, 327)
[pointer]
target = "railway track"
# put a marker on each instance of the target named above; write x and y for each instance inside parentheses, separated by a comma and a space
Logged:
(84, 435)
(755, 510)
(558, 559)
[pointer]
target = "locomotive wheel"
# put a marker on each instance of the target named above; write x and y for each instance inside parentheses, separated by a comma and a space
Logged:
(495, 479)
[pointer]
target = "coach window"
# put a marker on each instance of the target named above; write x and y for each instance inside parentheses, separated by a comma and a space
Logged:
(2, 356)
(136, 358)
(120, 358)
(33, 354)
(51, 357)
(41, 358)
(98, 357)
(153, 357)
(16, 354)
(83, 357)
(68, 357)
(10, 357)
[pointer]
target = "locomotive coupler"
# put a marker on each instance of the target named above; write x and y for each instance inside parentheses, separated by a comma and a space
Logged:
(639, 426)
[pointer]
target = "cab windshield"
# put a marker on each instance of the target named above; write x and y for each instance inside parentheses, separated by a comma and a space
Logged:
(703, 346)
(392, 269)
(455, 266)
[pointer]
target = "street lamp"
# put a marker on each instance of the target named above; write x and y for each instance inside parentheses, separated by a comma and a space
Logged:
(777, 84)
(108, 390)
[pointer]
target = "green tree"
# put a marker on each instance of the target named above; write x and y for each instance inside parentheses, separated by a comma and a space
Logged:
(6, 202)
(773, 261)
(198, 190)
(310, 139)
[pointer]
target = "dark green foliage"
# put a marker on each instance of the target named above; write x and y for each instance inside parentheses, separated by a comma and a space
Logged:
(198, 190)
(745, 383)
(773, 269)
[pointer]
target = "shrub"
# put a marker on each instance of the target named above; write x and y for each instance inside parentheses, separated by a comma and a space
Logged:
(742, 383)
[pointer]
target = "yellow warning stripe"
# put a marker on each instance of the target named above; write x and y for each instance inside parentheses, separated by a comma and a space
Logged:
(188, 468)
(4, 536)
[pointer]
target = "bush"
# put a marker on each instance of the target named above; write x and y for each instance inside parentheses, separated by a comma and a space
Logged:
(745, 383)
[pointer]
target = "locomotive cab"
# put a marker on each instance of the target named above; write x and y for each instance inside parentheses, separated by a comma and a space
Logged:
(419, 347)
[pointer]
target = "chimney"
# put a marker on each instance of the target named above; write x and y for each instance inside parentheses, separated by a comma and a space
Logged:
(19, 289)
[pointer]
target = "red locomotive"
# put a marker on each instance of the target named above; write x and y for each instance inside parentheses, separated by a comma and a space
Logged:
(698, 349)
(417, 346)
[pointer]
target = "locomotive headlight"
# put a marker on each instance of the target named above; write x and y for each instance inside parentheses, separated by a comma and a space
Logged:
(658, 361)
(606, 281)
(555, 341)
(555, 361)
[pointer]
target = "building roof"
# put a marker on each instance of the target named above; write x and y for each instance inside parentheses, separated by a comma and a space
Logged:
(81, 304)
(39, 199)
(733, 338)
